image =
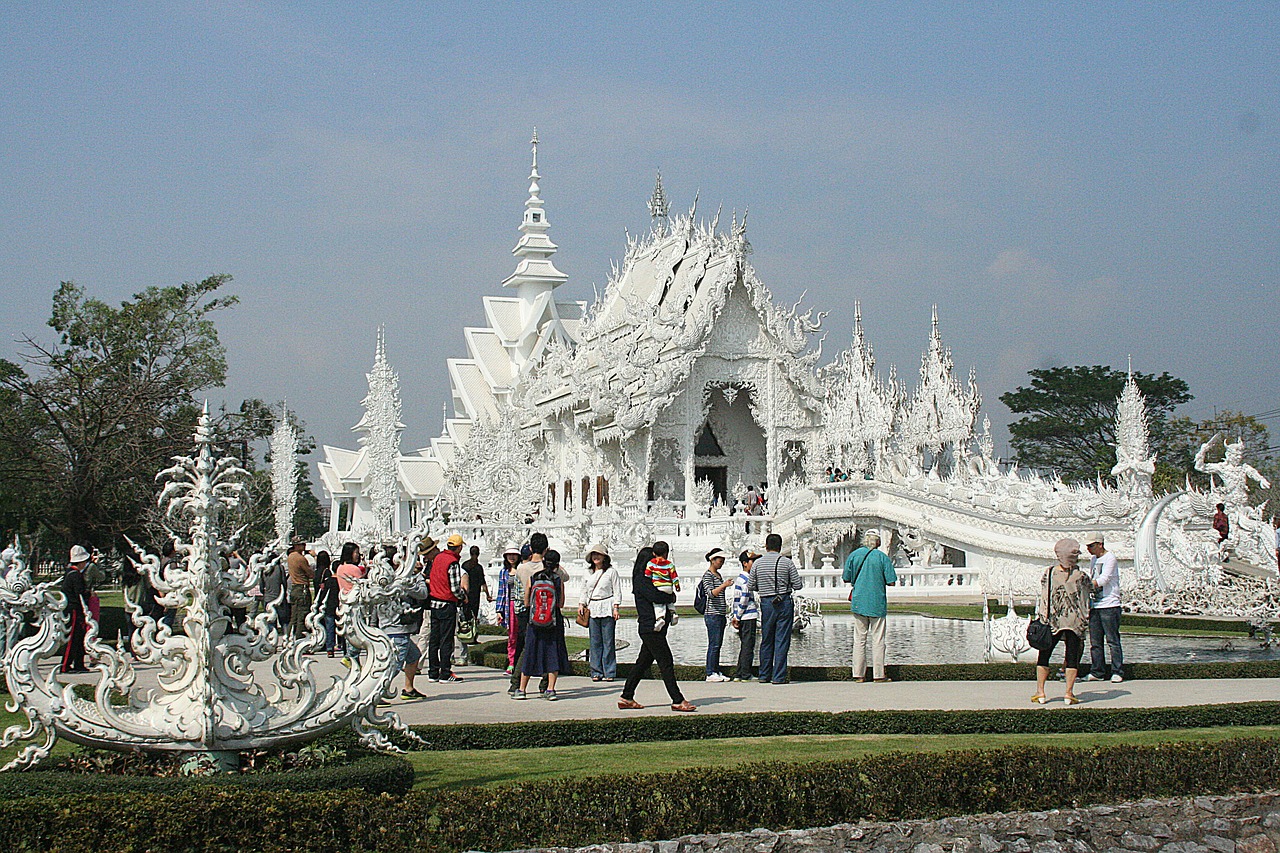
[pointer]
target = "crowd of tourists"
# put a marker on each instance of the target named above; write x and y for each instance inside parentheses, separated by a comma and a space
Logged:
(751, 593)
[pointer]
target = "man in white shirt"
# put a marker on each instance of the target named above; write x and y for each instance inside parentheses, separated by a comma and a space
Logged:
(1104, 612)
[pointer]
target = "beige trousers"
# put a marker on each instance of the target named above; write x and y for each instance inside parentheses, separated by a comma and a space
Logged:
(862, 625)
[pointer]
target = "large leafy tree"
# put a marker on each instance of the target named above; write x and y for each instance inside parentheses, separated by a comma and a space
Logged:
(86, 423)
(1069, 422)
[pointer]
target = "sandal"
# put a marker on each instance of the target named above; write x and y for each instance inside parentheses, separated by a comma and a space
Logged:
(1071, 700)
(1040, 699)
(684, 706)
(629, 705)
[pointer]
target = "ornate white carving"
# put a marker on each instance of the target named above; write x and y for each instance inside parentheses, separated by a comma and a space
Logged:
(381, 430)
(1134, 463)
(939, 412)
(207, 699)
(284, 475)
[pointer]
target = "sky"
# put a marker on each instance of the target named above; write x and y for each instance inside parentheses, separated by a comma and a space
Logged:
(1068, 183)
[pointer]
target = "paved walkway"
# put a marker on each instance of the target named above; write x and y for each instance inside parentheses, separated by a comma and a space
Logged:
(482, 696)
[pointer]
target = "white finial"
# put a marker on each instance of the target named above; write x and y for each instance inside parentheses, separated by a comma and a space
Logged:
(534, 143)
(1130, 364)
(444, 407)
(380, 349)
(659, 209)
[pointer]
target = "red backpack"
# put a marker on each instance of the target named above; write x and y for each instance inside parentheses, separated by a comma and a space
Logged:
(542, 601)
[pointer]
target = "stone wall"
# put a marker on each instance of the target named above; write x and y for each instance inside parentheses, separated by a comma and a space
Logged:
(1241, 823)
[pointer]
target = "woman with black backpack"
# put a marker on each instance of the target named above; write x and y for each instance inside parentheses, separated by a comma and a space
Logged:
(545, 652)
(710, 602)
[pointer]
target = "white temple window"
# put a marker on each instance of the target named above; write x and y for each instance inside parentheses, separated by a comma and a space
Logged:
(568, 494)
(707, 444)
(602, 491)
(586, 491)
(537, 217)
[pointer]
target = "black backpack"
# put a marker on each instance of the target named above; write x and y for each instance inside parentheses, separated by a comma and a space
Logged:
(700, 598)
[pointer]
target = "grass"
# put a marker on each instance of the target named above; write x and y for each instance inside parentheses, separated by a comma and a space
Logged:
(445, 770)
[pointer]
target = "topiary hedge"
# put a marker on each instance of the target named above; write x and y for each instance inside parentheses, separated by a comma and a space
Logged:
(545, 733)
(374, 774)
(628, 808)
(494, 656)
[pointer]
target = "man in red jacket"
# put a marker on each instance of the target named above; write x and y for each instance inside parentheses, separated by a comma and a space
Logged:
(448, 591)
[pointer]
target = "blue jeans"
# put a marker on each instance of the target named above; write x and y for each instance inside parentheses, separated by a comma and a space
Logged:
(330, 632)
(777, 613)
(602, 656)
(1104, 622)
(715, 639)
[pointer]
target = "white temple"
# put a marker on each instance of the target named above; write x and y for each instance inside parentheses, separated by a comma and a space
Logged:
(649, 412)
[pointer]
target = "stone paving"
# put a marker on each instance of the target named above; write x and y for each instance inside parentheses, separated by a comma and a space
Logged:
(482, 696)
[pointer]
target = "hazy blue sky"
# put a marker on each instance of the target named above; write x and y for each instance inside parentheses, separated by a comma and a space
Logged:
(1070, 183)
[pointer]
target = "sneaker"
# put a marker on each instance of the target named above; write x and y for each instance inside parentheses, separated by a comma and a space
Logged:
(1117, 678)
(659, 624)
(346, 662)
(412, 694)
(550, 695)
(1092, 677)
(432, 679)
(452, 679)
(518, 694)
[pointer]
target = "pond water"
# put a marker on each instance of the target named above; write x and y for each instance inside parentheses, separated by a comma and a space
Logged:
(916, 639)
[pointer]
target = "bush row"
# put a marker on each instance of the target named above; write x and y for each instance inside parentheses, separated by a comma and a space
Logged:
(494, 655)
(373, 774)
(545, 733)
(628, 808)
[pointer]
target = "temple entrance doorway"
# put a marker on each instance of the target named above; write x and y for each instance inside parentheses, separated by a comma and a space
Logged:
(719, 477)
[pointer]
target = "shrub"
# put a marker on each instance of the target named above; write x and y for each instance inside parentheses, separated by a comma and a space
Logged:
(628, 808)
(544, 733)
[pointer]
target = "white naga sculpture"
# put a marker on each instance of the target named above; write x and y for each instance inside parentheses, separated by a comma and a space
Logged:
(218, 689)
(1251, 537)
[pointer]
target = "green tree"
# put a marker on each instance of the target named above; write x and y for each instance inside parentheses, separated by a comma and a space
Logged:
(1070, 419)
(87, 422)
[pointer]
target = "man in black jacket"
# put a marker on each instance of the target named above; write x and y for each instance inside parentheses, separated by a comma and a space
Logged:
(76, 592)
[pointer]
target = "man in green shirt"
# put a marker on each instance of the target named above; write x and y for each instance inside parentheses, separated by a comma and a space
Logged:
(870, 571)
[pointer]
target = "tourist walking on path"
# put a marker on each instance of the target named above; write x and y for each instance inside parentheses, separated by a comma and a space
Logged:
(300, 576)
(653, 642)
(328, 596)
(448, 591)
(76, 592)
(746, 615)
(600, 602)
(1064, 605)
(544, 649)
(400, 619)
(348, 572)
(869, 570)
(524, 577)
(774, 578)
(1104, 612)
(715, 610)
(508, 593)
(476, 584)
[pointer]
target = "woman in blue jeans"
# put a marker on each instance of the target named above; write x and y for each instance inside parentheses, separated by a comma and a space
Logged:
(715, 616)
(601, 598)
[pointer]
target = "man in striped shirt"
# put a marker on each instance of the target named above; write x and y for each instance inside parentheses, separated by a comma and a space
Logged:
(773, 578)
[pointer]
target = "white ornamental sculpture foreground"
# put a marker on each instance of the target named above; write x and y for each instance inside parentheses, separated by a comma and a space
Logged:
(208, 701)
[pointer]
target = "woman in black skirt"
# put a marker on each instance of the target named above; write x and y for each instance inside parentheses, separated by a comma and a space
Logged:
(544, 650)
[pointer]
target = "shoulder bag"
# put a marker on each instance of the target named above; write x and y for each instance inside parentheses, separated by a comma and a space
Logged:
(1039, 634)
(584, 611)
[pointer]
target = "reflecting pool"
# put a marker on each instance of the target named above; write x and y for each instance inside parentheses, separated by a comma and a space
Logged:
(916, 639)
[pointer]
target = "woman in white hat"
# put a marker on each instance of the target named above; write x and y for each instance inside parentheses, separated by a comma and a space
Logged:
(601, 598)
(508, 594)
(711, 601)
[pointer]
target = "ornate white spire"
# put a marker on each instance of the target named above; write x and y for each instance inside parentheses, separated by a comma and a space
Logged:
(381, 427)
(939, 412)
(659, 209)
(535, 272)
(860, 408)
(1134, 464)
(284, 474)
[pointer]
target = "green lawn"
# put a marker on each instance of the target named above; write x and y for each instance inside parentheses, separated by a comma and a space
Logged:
(495, 767)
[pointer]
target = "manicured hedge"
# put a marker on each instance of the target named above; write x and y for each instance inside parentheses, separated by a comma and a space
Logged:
(628, 808)
(374, 774)
(494, 655)
(544, 733)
